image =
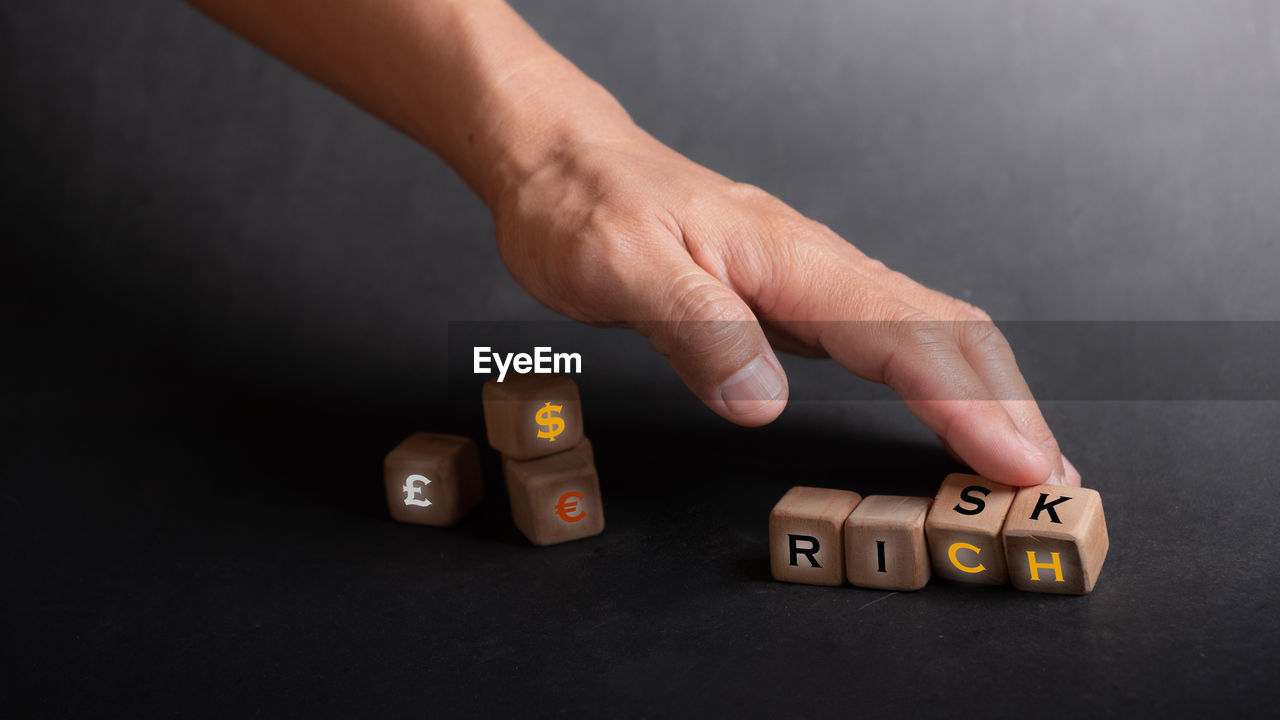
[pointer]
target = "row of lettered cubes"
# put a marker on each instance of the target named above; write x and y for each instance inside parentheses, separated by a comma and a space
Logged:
(1046, 538)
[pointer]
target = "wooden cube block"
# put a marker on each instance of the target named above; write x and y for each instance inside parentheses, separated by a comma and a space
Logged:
(963, 529)
(884, 545)
(432, 479)
(1055, 539)
(532, 416)
(556, 498)
(805, 544)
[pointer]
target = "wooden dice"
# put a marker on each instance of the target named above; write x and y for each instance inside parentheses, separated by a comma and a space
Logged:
(1046, 538)
(1055, 539)
(532, 416)
(964, 528)
(535, 421)
(884, 543)
(555, 498)
(805, 528)
(432, 479)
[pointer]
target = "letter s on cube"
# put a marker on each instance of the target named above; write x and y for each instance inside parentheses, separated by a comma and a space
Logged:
(964, 526)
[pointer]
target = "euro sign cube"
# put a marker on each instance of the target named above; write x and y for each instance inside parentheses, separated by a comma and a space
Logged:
(964, 529)
(1055, 539)
(884, 545)
(805, 535)
(432, 479)
(532, 416)
(556, 498)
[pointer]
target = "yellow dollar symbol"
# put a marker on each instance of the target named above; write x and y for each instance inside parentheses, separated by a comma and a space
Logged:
(554, 424)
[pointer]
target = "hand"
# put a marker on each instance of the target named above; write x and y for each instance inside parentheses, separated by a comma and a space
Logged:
(603, 223)
(629, 232)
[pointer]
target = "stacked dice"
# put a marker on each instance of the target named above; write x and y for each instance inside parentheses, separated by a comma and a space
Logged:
(535, 421)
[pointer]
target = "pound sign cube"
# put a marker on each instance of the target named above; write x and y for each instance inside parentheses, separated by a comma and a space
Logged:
(432, 479)
(556, 498)
(1055, 539)
(532, 416)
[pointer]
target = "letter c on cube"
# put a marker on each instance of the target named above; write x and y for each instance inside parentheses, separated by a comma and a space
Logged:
(958, 546)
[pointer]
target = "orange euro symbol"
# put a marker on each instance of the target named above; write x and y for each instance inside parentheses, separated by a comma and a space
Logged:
(568, 503)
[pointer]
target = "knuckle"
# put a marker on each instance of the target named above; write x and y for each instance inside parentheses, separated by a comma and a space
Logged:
(750, 193)
(913, 338)
(704, 316)
(914, 328)
(982, 338)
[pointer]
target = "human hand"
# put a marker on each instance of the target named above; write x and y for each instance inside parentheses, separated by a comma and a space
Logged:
(628, 232)
(603, 223)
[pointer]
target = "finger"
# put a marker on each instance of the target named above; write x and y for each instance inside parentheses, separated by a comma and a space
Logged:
(787, 343)
(950, 450)
(1073, 475)
(892, 342)
(992, 358)
(928, 370)
(710, 336)
(989, 353)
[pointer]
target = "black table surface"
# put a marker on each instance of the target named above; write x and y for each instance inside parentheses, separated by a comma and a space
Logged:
(232, 553)
(227, 294)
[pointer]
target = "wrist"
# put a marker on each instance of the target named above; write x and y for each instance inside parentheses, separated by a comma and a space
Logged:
(536, 118)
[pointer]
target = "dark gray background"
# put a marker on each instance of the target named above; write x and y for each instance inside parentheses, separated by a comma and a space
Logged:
(226, 293)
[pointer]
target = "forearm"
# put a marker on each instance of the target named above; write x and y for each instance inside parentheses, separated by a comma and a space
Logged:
(468, 79)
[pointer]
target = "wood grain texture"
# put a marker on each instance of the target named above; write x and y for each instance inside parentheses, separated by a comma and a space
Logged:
(451, 464)
(805, 535)
(510, 414)
(964, 527)
(884, 543)
(556, 499)
(1055, 539)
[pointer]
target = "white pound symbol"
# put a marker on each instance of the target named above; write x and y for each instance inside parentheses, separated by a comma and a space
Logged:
(412, 485)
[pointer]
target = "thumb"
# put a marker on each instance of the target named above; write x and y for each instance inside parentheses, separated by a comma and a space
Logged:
(714, 342)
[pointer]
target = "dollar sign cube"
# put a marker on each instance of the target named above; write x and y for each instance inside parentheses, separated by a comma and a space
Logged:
(555, 498)
(532, 416)
(1055, 539)
(432, 479)
(963, 529)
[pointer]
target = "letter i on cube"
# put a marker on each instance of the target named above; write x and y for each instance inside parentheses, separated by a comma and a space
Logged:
(884, 545)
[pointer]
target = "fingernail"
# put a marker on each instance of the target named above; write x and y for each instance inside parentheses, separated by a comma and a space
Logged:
(757, 384)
